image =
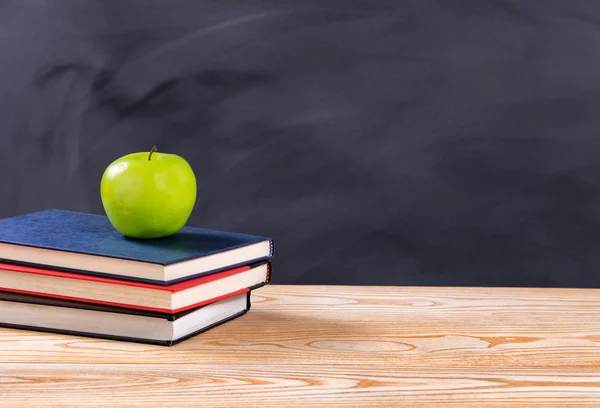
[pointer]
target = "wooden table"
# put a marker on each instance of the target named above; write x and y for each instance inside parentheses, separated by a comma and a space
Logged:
(335, 347)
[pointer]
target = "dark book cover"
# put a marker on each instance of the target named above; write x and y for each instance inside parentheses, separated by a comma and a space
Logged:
(51, 302)
(92, 234)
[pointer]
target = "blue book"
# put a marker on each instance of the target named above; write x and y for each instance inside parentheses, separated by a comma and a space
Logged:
(89, 244)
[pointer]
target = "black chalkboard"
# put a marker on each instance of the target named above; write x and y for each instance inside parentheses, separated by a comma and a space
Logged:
(379, 142)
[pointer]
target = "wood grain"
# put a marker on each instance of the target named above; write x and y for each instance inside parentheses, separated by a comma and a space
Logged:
(336, 346)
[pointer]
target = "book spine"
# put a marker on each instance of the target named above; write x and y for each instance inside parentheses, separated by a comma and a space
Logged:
(268, 280)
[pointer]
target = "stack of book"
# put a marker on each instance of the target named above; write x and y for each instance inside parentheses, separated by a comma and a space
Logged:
(73, 273)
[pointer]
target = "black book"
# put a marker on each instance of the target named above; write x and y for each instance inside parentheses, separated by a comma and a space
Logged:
(29, 312)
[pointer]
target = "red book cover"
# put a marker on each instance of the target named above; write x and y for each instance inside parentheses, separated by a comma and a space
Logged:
(173, 288)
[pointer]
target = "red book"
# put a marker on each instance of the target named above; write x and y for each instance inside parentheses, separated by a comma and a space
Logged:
(172, 298)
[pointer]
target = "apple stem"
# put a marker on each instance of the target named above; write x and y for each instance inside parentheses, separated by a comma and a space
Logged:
(151, 151)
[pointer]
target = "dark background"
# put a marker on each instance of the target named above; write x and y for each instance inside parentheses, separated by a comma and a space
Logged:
(379, 142)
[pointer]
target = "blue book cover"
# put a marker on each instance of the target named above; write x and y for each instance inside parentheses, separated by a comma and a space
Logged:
(54, 238)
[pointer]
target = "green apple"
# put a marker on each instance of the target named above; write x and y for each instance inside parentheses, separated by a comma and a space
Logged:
(148, 195)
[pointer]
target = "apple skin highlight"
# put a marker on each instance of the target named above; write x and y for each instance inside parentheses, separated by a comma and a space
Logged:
(148, 195)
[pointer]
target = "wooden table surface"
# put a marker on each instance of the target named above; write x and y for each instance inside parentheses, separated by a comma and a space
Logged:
(335, 347)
